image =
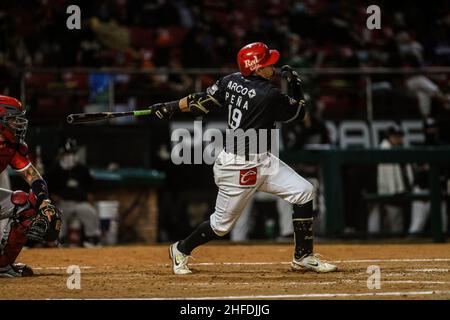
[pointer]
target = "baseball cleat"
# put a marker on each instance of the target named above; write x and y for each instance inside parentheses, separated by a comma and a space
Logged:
(179, 260)
(312, 263)
(16, 270)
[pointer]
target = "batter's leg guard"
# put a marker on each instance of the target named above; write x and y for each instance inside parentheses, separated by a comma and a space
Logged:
(203, 234)
(303, 229)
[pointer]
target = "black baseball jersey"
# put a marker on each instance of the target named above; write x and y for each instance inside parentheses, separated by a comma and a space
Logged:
(252, 103)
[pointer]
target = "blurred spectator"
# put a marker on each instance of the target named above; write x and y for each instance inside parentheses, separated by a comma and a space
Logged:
(110, 34)
(180, 83)
(420, 211)
(426, 91)
(408, 46)
(395, 180)
(300, 55)
(432, 133)
(71, 184)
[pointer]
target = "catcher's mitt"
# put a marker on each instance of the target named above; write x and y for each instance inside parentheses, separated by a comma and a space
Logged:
(46, 225)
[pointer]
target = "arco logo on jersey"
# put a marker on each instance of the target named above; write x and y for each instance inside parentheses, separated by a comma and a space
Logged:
(247, 177)
(240, 89)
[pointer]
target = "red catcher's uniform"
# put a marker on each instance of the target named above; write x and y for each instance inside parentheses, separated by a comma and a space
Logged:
(12, 235)
(16, 208)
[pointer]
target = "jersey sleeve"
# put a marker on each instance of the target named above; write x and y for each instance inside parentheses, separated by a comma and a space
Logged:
(202, 103)
(285, 108)
(20, 160)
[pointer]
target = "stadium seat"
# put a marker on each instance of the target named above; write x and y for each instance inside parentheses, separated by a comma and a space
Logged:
(76, 80)
(140, 37)
(39, 80)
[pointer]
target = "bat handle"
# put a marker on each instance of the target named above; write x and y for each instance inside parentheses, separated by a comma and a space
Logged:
(139, 113)
(70, 119)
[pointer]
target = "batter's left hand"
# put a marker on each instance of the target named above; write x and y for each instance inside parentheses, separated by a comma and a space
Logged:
(162, 110)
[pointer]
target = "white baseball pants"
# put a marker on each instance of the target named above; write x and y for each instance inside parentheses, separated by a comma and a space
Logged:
(238, 179)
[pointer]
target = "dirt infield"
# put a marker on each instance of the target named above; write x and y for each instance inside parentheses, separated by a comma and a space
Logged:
(419, 271)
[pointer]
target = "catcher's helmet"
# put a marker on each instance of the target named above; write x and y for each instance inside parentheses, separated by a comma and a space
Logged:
(255, 56)
(13, 126)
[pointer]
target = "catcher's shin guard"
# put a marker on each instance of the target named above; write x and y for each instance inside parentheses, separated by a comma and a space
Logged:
(15, 233)
(13, 243)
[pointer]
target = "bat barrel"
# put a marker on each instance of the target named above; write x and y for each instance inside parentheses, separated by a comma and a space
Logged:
(98, 116)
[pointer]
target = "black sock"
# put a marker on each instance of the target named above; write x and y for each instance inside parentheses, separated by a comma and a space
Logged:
(303, 229)
(203, 234)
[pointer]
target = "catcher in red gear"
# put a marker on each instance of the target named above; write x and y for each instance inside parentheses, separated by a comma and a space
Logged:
(23, 216)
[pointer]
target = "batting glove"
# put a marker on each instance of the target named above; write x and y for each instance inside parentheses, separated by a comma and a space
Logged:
(165, 110)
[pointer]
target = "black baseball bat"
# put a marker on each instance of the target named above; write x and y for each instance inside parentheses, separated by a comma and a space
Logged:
(99, 116)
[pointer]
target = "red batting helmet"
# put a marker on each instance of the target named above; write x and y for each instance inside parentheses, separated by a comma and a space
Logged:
(255, 56)
(12, 125)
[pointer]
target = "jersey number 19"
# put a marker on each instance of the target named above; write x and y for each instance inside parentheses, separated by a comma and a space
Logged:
(234, 117)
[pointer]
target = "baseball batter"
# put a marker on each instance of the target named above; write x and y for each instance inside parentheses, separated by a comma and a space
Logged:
(251, 102)
(23, 216)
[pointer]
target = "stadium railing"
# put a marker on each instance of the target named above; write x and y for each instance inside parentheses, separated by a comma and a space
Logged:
(331, 162)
